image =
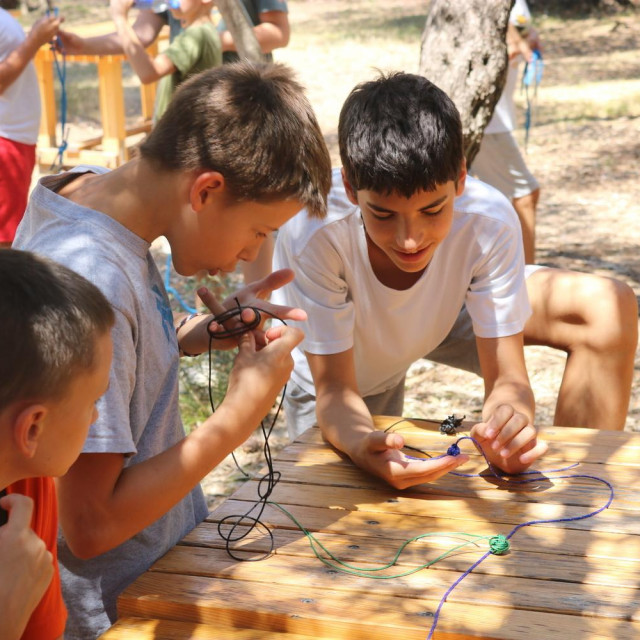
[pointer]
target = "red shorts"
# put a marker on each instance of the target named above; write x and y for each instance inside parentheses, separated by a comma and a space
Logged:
(16, 166)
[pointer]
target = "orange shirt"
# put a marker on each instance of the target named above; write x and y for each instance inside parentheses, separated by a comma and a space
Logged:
(50, 616)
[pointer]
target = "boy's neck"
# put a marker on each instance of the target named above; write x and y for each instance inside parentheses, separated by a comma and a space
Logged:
(135, 195)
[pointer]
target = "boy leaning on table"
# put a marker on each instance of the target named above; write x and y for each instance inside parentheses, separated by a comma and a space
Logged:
(134, 491)
(416, 259)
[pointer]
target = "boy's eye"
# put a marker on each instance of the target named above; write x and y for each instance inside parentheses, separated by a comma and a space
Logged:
(433, 213)
(259, 234)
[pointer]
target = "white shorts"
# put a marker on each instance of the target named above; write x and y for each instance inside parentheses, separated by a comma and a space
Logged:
(500, 164)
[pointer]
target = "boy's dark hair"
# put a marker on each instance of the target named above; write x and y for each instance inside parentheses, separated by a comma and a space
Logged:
(400, 133)
(50, 318)
(253, 124)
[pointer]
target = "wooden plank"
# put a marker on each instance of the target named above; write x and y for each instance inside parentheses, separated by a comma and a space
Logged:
(373, 503)
(518, 581)
(566, 444)
(327, 613)
(576, 491)
(355, 547)
(157, 629)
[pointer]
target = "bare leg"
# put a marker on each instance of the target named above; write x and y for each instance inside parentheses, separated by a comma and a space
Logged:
(526, 209)
(261, 267)
(595, 321)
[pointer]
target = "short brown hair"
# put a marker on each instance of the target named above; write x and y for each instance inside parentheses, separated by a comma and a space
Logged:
(50, 318)
(253, 124)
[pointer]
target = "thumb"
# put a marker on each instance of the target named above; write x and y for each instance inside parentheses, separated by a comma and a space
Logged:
(381, 441)
(246, 342)
(286, 336)
(20, 509)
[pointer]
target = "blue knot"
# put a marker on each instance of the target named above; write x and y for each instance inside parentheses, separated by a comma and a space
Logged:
(453, 450)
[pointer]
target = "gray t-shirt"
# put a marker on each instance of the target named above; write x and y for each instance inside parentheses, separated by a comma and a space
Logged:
(139, 414)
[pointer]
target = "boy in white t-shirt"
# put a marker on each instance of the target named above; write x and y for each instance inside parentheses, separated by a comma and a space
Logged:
(409, 241)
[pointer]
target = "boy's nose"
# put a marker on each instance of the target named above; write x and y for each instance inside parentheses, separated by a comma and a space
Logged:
(408, 238)
(249, 254)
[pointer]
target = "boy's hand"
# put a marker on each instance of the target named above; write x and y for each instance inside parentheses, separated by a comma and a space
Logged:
(379, 453)
(45, 29)
(509, 440)
(26, 567)
(254, 295)
(70, 42)
(258, 376)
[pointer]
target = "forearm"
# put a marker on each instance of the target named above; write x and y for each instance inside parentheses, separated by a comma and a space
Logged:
(146, 491)
(15, 63)
(343, 417)
(141, 62)
(268, 35)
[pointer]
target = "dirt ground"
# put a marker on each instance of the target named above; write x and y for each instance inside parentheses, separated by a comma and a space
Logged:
(584, 148)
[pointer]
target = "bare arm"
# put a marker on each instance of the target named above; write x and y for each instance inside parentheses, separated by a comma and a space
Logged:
(272, 32)
(507, 434)
(346, 423)
(14, 64)
(147, 68)
(146, 26)
(103, 504)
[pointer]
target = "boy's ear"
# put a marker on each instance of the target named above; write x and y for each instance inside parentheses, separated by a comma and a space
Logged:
(462, 177)
(351, 192)
(27, 429)
(207, 185)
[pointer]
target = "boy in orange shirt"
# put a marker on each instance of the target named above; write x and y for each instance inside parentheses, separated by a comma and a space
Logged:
(56, 345)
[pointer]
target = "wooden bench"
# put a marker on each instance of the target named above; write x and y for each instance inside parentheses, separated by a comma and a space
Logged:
(141, 628)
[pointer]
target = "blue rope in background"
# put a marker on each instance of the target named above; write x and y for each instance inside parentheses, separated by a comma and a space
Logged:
(531, 77)
(172, 290)
(60, 63)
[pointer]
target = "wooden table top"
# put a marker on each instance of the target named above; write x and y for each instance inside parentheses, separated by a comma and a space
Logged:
(562, 581)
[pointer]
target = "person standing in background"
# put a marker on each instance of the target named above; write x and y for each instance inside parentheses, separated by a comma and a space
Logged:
(19, 115)
(499, 161)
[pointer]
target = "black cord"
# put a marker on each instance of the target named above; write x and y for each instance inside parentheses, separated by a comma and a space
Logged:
(229, 524)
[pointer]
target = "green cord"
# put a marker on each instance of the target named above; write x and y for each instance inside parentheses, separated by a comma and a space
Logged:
(339, 565)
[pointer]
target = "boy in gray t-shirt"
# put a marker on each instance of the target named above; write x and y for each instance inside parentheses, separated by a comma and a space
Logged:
(133, 493)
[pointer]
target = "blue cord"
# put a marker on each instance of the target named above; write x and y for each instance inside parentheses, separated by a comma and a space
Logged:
(61, 70)
(172, 290)
(532, 76)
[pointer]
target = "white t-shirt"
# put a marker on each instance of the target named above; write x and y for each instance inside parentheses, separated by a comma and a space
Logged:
(20, 103)
(480, 264)
(504, 114)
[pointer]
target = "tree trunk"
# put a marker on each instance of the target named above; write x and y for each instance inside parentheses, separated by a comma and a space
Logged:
(464, 52)
(241, 29)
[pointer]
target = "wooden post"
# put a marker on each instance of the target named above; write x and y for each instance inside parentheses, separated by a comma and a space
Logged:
(49, 118)
(112, 107)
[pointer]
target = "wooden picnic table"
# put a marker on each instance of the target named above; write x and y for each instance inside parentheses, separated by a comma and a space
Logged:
(112, 147)
(570, 580)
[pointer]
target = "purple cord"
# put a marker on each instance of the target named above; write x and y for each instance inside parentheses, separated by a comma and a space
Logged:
(518, 526)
